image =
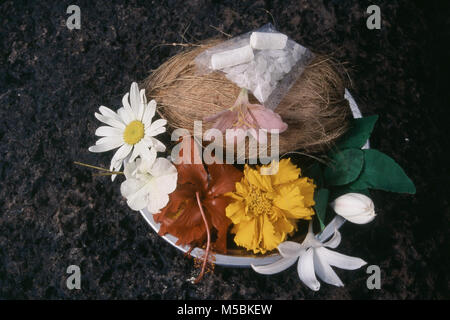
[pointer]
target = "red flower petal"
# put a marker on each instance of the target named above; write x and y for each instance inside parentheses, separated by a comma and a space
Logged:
(223, 178)
(191, 169)
(216, 210)
(176, 199)
(186, 223)
(189, 226)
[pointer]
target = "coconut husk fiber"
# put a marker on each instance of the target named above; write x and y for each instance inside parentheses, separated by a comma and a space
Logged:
(314, 109)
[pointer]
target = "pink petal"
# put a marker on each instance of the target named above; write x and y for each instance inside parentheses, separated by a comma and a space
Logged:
(215, 116)
(223, 120)
(266, 118)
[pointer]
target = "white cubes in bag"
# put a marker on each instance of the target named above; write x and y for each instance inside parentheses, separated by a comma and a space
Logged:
(259, 63)
(231, 57)
(267, 40)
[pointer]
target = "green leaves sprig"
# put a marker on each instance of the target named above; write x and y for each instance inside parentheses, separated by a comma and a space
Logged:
(352, 169)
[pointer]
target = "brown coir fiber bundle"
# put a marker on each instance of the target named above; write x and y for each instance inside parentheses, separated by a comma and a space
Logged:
(314, 109)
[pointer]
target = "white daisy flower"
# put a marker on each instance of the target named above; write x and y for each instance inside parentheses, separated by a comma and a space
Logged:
(130, 129)
(149, 185)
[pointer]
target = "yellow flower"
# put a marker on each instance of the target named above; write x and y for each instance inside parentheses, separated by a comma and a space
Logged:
(265, 208)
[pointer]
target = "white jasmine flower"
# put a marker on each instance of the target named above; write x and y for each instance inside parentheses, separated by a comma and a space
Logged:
(148, 185)
(130, 129)
(354, 207)
(313, 258)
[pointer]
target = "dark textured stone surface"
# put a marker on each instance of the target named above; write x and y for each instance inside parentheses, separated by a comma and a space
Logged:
(53, 214)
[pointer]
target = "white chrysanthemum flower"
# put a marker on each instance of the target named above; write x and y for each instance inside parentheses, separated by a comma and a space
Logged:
(313, 258)
(130, 129)
(148, 185)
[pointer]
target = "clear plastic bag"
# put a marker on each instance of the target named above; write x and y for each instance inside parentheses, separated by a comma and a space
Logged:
(264, 61)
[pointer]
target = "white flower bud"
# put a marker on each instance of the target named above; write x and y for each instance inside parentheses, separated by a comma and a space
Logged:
(354, 207)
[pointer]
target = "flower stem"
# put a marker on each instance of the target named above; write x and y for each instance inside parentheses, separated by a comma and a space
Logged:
(208, 240)
(242, 99)
(97, 168)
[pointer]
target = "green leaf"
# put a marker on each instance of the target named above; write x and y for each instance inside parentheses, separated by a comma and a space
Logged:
(383, 173)
(341, 190)
(321, 200)
(358, 134)
(345, 167)
(314, 172)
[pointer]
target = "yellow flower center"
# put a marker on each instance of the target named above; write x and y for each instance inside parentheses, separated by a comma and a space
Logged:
(241, 117)
(258, 203)
(134, 132)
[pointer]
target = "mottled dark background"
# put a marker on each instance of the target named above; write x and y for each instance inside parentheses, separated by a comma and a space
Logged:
(54, 214)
